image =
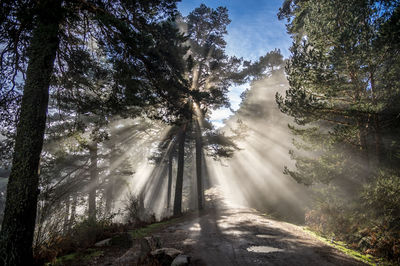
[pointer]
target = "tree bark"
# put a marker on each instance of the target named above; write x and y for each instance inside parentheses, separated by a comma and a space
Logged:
(362, 135)
(179, 176)
(199, 147)
(111, 181)
(93, 181)
(73, 211)
(17, 230)
(109, 195)
(378, 138)
(170, 162)
(362, 125)
(66, 215)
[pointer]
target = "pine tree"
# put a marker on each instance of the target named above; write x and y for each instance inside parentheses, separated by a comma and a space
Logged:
(339, 88)
(210, 73)
(37, 25)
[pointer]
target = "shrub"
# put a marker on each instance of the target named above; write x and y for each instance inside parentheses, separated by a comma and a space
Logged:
(381, 202)
(369, 222)
(136, 214)
(83, 235)
(382, 198)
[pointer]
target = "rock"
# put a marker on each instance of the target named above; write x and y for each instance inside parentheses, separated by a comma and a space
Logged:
(103, 243)
(131, 257)
(148, 244)
(165, 256)
(122, 240)
(181, 260)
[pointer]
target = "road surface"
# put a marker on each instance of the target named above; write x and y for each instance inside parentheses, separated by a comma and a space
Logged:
(242, 236)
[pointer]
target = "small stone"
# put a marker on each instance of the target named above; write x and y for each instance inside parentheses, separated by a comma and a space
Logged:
(131, 257)
(122, 240)
(181, 260)
(165, 256)
(148, 244)
(103, 243)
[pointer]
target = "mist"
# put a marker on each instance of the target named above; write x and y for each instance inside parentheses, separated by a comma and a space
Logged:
(254, 176)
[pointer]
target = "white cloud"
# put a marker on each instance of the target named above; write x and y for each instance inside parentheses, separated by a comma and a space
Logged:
(220, 114)
(217, 124)
(234, 95)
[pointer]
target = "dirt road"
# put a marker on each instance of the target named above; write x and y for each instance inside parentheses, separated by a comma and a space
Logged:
(242, 236)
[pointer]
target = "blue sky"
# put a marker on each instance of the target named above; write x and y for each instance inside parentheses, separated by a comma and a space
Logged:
(254, 30)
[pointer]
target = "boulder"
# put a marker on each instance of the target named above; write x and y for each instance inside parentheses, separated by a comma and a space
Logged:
(131, 257)
(181, 260)
(165, 256)
(103, 243)
(122, 240)
(148, 244)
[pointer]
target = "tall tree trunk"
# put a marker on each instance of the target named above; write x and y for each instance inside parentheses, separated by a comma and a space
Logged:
(16, 235)
(378, 138)
(170, 164)
(205, 172)
(362, 125)
(179, 176)
(362, 135)
(66, 215)
(109, 195)
(93, 181)
(199, 147)
(73, 211)
(111, 181)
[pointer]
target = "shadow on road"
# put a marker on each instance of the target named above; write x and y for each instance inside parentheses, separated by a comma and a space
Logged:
(226, 235)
